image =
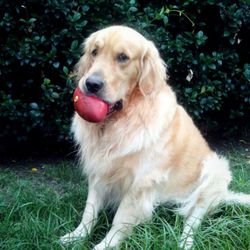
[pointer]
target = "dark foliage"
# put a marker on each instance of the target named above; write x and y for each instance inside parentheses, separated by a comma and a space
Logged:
(41, 43)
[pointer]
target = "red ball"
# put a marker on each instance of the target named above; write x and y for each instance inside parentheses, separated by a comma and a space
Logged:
(90, 108)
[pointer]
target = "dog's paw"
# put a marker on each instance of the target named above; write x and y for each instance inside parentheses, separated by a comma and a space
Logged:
(99, 247)
(186, 243)
(78, 234)
(69, 238)
(104, 246)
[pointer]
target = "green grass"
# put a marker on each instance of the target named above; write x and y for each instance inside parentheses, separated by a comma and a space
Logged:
(36, 208)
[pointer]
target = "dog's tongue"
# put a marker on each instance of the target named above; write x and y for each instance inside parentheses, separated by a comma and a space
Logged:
(90, 108)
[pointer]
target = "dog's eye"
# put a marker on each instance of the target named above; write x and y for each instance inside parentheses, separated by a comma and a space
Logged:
(122, 58)
(94, 52)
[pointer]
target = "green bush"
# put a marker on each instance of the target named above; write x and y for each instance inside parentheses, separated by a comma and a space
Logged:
(41, 43)
(210, 39)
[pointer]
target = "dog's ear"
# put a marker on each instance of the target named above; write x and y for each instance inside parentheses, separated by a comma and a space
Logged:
(153, 70)
(85, 61)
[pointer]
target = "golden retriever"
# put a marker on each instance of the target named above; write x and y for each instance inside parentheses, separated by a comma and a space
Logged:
(147, 151)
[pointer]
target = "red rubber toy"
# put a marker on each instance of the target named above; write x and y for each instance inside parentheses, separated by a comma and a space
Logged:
(90, 108)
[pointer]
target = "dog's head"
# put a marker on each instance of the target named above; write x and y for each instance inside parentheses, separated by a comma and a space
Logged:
(117, 60)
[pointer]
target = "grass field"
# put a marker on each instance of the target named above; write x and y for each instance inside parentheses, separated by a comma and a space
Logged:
(37, 207)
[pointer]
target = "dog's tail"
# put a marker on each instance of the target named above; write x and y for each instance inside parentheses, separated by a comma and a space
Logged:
(237, 198)
(221, 169)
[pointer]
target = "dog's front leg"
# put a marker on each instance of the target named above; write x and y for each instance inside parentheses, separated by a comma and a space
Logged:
(191, 223)
(94, 203)
(134, 208)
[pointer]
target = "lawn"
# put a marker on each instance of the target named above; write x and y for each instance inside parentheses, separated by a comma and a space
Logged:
(37, 206)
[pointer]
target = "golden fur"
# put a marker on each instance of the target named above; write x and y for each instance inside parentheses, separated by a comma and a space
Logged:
(150, 151)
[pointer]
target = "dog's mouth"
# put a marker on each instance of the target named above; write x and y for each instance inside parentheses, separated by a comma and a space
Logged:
(93, 108)
(115, 107)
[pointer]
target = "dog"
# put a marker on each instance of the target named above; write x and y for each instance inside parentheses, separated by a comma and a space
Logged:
(147, 151)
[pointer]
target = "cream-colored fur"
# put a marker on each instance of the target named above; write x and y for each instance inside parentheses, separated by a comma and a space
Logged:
(148, 153)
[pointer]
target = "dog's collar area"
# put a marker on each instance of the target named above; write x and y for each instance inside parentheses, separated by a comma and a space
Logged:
(115, 107)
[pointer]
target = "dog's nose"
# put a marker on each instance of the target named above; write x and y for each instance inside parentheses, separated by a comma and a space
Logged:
(94, 83)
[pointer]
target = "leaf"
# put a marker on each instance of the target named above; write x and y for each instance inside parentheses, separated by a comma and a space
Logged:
(167, 11)
(76, 17)
(65, 70)
(46, 81)
(226, 33)
(165, 19)
(200, 34)
(246, 71)
(203, 89)
(188, 90)
(200, 37)
(232, 41)
(34, 105)
(83, 23)
(32, 20)
(74, 45)
(56, 65)
(133, 9)
(211, 66)
(43, 39)
(55, 95)
(85, 8)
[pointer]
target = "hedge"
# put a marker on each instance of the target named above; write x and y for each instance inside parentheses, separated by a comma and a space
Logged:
(204, 43)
